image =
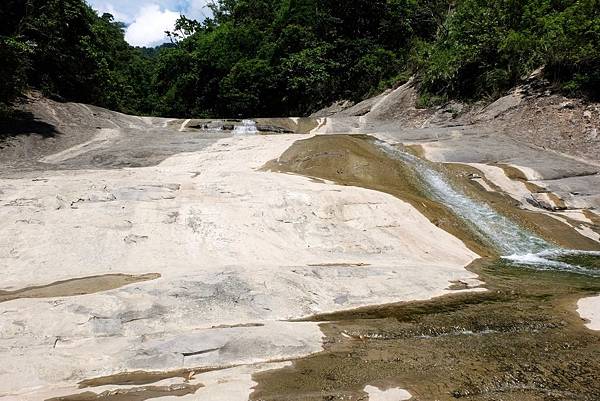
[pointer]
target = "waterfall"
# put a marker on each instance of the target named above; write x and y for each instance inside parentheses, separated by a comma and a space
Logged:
(514, 242)
(247, 127)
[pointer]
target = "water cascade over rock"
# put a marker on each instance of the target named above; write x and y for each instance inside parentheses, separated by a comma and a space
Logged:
(514, 242)
(247, 127)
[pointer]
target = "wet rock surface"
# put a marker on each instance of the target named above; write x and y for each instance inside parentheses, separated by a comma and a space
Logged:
(239, 251)
(78, 286)
(247, 235)
(521, 340)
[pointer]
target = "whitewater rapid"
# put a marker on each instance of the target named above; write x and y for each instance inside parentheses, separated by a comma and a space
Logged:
(514, 243)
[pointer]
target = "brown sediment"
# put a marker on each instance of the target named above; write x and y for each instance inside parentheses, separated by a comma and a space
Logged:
(541, 223)
(134, 394)
(140, 377)
(519, 341)
(356, 160)
(513, 172)
(341, 264)
(558, 202)
(303, 126)
(545, 226)
(77, 286)
(595, 219)
(417, 150)
(233, 326)
(577, 223)
(459, 285)
(143, 377)
(533, 188)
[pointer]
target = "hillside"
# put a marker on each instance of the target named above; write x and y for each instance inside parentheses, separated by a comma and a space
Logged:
(267, 58)
(531, 113)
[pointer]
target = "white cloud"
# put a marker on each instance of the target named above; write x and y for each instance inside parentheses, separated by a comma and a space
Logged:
(197, 9)
(149, 26)
(148, 19)
(109, 8)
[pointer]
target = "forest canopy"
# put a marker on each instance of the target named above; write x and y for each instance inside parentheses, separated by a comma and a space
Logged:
(292, 57)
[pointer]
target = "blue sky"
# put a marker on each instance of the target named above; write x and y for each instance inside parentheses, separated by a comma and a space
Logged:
(147, 19)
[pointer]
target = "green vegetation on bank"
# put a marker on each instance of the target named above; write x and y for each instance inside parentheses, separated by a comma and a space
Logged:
(487, 45)
(64, 49)
(292, 57)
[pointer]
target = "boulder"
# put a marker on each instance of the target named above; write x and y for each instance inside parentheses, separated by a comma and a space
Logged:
(543, 201)
(566, 106)
(273, 129)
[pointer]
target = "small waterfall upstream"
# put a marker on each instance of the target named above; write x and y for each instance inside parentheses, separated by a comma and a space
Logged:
(512, 241)
(247, 127)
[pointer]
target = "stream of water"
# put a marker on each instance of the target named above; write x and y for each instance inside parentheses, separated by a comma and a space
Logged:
(515, 243)
(247, 127)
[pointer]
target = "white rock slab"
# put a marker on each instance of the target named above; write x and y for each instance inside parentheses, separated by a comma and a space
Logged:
(235, 246)
(392, 394)
(589, 309)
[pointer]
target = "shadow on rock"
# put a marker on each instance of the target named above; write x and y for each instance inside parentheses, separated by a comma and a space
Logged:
(24, 123)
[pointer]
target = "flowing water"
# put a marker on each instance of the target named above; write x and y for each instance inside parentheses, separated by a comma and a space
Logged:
(521, 340)
(515, 243)
(247, 127)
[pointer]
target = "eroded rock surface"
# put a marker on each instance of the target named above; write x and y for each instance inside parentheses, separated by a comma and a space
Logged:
(238, 250)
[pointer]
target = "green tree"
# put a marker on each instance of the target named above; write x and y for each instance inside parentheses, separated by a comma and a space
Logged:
(248, 89)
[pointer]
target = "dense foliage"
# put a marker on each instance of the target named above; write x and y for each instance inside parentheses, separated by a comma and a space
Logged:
(487, 45)
(291, 57)
(65, 49)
